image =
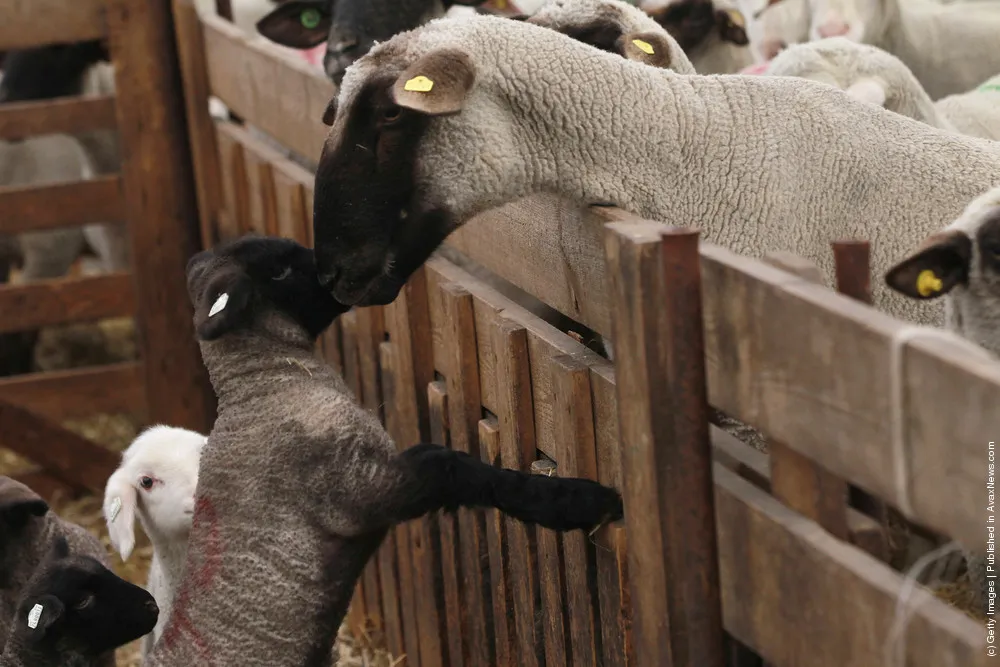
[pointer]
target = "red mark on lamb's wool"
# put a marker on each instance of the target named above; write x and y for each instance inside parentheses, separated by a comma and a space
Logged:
(200, 579)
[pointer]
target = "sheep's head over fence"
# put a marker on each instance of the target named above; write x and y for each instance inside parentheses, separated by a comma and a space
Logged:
(692, 21)
(48, 71)
(73, 604)
(235, 283)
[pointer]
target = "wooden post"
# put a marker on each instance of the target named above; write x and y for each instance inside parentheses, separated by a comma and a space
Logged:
(655, 284)
(160, 207)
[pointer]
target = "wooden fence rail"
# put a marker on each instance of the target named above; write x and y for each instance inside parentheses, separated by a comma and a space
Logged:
(718, 536)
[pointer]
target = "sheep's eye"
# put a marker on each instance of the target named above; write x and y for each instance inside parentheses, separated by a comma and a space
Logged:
(146, 482)
(85, 602)
(284, 274)
(391, 114)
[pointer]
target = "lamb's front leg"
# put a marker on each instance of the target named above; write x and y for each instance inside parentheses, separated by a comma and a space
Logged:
(427, 477)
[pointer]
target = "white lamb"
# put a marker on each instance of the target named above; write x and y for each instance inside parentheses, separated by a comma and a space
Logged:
(771, 28)
(946, 46)
(156, 480)
(873, 75)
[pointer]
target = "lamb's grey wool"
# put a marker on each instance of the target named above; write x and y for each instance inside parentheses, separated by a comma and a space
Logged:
(759, 164)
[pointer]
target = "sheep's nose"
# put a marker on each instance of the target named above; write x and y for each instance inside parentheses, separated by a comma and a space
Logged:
(833, 28)
(329, 280)
(152, 607)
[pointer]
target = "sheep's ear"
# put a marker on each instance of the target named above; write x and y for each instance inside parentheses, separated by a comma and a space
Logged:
(651, 48)
(437, 84)
(868, 89)
(39, 615)
(119, 512)
(224, 306)
(18, 503)
(331, 111)
(732, 26)
(300, 25)
(935, 268)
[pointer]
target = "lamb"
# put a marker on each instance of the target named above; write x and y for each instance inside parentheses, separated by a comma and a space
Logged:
(27, 529)
(156, 480)
(617, 27)
(872, 75)
(918, 32)
(293, 459)
(776, 27)
(713, 38)
(74, 609)
(794, 150)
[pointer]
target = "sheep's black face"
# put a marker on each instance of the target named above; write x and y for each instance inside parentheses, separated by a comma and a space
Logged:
(48, 71)
(75, 603)
(371, 232)
(232, 282)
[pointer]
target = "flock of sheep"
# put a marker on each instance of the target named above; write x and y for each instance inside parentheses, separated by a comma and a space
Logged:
(872, 119)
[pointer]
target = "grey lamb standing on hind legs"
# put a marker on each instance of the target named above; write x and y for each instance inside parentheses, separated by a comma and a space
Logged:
(74, 610)
(298, 484)
(27, 530)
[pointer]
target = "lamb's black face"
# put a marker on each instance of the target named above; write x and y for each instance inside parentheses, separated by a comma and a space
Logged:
(76, 602)
(48, 71)
(370, 227)
(232, 282)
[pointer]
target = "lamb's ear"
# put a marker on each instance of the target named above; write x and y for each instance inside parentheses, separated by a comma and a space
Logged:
(300, 24)
(732, 26)
(935, 268)
(331, 111)
(18, 503)
(224, 305)
(437, 84)
(651, 48)
(868, 89)
(120, 498)
(38, 616)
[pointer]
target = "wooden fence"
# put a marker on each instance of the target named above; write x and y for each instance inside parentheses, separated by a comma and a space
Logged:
(153, 193)
(726, 553)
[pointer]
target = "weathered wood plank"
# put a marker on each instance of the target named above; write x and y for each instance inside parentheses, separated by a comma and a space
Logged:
(34, 208)
(64, 300)
(161, 209)
(756, 531)
(499, 558)
(262, 206)
(62, 453)
(28, 23)
(552, 586)
(294, 220)
(59, 395)
(69, 115)
(234, 181)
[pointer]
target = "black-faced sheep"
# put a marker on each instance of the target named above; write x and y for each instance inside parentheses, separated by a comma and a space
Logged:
(298, 484)
(74, 610)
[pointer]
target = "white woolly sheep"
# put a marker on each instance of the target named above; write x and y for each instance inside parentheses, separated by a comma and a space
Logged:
(293, 459)
(156, 481)
(616, 27)
(27, 530)
(771, 28)
(711, 32)
(73, 611)
(872, 75)
(760, 164)
(942, 44)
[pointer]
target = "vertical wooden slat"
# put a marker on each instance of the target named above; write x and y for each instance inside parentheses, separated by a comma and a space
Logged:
(552, 591)
(515, 414)
(233, 176)
(499, 557)
(576, 455)
(333, 350)
(451, 558)
(262, 206)
(371, 333)
(161, 209)
(201, 129)
(290, 208)
(666, 455)
(458, 332)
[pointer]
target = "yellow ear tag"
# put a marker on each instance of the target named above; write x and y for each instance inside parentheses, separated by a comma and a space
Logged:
(645, 47)
(928, 283)
(420, 84)
(736, 17)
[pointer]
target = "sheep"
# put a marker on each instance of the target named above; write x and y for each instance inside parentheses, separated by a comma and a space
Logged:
(918, 32)
(872, 75)
(27, 528)
(775, 27)
(73, 610)
(293, 459)
(960, 263)
(156, 481)
(711, 34)
(750, 161)
(617, 27)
